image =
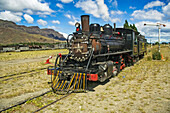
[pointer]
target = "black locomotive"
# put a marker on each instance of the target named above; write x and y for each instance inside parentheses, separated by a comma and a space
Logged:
(95, 54)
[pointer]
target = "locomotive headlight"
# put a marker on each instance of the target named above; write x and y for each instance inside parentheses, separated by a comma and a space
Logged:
(77, 25)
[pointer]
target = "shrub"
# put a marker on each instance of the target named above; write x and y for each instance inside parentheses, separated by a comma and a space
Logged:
(156, 55)
(166, 58)
(149, 58)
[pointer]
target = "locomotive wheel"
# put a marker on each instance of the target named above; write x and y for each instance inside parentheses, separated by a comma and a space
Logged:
(118, 68)
(119, 65)
(115, 72)
(132, 63)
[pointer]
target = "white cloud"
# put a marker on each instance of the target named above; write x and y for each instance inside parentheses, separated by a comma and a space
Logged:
(28, 11)
(166, 9)
(59, 5)
(132, 7)
(68, 16)
(56, 22)
(89, 6)
(114, 20)
(115, 4)
(43, 14)
(42, 22)
(103, 10)
(53, 27)
(118, 12)
(97, 8)
(72, 18)
(8, 15)
(153, 4)
(18, 13)
(64, 34)
(110, 1)
(132, 19)
(66, 1)
(21, 5)
(72, 22)
(28, 18)
(149, 15)
(151, 32)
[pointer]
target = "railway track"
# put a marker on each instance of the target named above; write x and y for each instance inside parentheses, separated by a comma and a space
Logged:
(8, 77)
(25, 101)
(62, 97)
(53, 102)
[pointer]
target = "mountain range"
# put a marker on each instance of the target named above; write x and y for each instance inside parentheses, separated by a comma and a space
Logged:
(11, 33)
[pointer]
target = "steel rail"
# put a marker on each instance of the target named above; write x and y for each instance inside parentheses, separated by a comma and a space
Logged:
(21, 73)
(26, 101)
(53, 102)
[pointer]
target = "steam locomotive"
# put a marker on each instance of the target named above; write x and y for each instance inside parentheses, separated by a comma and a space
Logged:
(96, 53)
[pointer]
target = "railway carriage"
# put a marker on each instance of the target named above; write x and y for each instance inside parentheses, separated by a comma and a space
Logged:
(96, 53)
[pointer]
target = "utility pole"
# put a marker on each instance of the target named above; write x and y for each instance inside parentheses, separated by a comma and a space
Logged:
(159, 29)
(150, 43)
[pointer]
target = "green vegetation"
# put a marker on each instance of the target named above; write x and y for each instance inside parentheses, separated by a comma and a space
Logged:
(156, 55)
(126, 25)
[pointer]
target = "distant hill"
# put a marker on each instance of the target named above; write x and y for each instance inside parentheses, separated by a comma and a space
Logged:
(13, 33)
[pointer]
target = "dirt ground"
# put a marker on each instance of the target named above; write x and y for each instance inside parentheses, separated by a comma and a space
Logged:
(16, 62)
(144, 87)
(12, 90)
(134, 91)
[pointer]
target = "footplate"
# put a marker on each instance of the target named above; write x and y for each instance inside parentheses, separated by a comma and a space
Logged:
(74, 83)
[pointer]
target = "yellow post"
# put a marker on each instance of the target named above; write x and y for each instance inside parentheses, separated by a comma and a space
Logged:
(84, 81)
(79, 80)
(71, 81)
(76, 80)
(56, 79)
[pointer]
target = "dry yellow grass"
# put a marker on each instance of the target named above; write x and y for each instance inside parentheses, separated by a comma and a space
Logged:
(30, 54)
(144, 89)
(141, 88)
(17, 62)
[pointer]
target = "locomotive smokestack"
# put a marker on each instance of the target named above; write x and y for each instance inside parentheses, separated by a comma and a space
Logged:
(85, 23)
(114, 27)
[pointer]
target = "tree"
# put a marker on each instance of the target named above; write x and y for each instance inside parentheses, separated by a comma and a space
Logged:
(126, 25)
(134, 28)
(156, 43)
(131, 26)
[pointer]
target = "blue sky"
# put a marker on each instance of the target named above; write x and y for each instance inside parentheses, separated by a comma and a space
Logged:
(61, 15)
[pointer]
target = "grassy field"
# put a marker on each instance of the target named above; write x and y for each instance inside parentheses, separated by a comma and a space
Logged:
(17, 62)
(142, 88)
(30, 54)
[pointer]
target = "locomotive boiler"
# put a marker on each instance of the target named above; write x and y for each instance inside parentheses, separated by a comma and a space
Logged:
(95, 54)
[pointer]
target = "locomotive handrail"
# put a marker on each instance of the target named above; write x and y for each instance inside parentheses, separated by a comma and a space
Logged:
(55, 66)
(68, 39)
(113, 53)
(90, 59)
(64, 60)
